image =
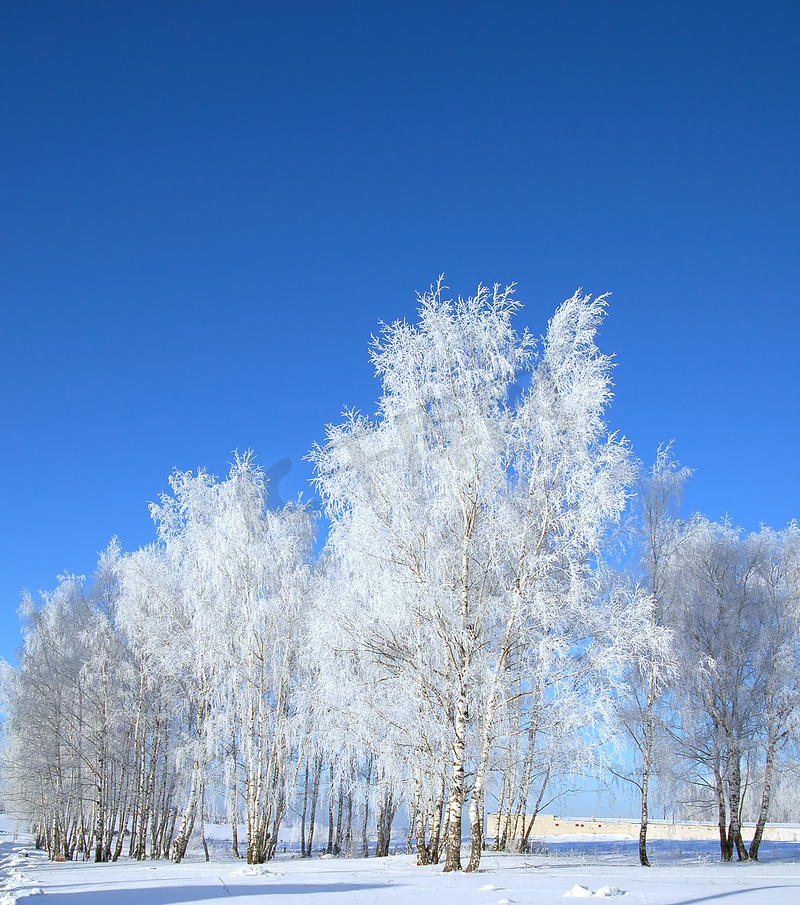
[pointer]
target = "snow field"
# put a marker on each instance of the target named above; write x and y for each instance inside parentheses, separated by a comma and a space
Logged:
(680, 877)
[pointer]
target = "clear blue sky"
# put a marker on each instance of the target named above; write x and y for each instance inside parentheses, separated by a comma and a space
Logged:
(206, 208)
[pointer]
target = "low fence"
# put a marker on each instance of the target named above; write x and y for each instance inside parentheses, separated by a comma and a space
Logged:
(547, 825)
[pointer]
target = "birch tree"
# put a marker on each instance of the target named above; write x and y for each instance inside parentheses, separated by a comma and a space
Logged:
(67, 761)
(467, 519)
(657, 538)
(259, 569)
(216, 607)
(722, 683)
(779, 705)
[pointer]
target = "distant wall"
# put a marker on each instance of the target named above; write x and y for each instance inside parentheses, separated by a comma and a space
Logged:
(546, 825)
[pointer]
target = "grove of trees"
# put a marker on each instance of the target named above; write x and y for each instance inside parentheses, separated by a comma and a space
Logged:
(505, 599)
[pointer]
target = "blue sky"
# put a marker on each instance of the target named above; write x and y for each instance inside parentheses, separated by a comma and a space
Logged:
(206, 208)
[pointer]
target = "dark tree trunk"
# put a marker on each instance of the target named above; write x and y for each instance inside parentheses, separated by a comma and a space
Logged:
(766, 794)
(314, 793)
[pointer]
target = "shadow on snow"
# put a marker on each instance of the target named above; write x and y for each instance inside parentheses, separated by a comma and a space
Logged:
(168, 895)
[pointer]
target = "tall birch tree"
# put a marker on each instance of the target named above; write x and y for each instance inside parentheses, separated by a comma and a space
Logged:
(657, 538)
(471, 512)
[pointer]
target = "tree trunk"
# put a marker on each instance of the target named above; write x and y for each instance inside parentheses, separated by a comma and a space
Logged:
(527, 832)
(436, 830)
(314, 794)
(203, 821)
(735, 798)
(726, 851)
(232, 801)
(383, 803)
(329, 849)
(365, 824)
(419, 827)
(476, 801)
(348, 833)
(187, 818)
(169, 830)
(385, 809)
(456, 800)
(501, 807)
(163, 824)
(140, 740)
(766, 794)
(646, 757)
(337, 845)
(303, 813)
(476, 824)
(100, 811)
(123, 820)
(234, 826)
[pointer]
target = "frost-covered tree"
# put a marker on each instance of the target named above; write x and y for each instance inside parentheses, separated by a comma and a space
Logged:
(466, 520)
(739, 649)
(66, 762)
(718, 632)
(779, 588)
(215, 608)
(259, 572)
(177, 658)
(656, 537)
(165, 610)
(158, 632)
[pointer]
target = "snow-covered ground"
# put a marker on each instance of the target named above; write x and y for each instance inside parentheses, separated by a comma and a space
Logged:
(684, 874)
